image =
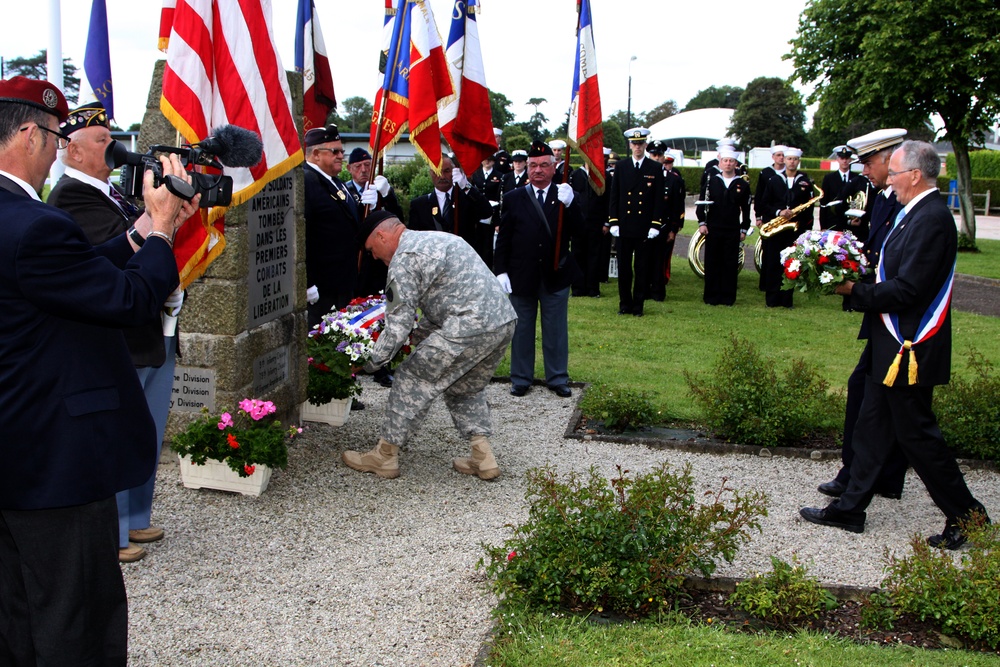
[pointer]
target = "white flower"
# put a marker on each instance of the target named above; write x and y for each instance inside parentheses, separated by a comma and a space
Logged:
(795, 265)
(826, 277)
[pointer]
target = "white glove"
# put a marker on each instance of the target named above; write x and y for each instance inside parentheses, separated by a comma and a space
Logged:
(459, 179)
(653, 233)
(381, 184)
(369, 197)
(487, 221)
(504, 280)
(172, 306)
(564, 192)
(312, 295)
(614, 230)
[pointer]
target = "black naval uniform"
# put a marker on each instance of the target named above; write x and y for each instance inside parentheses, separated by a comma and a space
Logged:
(588, 238)
(835, 185)
(726, 218)
(674, 193)
(777, 197)
(636, 206)
(766, 174)
(491, 185)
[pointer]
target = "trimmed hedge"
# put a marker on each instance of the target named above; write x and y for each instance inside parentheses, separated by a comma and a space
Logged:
(985, 164)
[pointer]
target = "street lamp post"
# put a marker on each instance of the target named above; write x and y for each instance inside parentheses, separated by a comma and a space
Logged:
(628, 113)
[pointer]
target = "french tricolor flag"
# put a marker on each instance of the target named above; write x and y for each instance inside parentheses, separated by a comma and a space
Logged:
(585, 131)
(466, 121)
(318, 99)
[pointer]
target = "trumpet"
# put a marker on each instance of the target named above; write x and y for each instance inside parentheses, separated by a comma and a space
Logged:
(781, 223)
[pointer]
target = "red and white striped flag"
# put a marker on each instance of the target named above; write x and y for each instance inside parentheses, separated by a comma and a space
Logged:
(586, 132)
(416, 82)
(466, 121)
(223, 69)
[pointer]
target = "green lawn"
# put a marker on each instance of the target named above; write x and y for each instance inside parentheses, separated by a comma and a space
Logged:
(546, 641)
(985, 263)
(682, 333)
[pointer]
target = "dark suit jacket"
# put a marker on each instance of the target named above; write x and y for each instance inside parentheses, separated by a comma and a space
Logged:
(778, 196)
(101, 220)
(372, 273)
(511, 180)
(76, 428)
(472, 207)
(331, 246)
(526, 245)
(883, 214)
(636, 202)
(834, 188)
(918, 256)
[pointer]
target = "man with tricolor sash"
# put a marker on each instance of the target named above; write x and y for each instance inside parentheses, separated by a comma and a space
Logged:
(911, 353)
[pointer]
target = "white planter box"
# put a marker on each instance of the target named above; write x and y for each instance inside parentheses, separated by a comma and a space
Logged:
(217, 475)
(333, 413)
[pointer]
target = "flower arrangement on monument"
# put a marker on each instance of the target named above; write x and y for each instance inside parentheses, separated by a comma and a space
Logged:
(819, 261)
(243, 440)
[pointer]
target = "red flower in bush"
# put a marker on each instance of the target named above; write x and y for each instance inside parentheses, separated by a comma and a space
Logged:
(249, 469)
(232, 441)
(791, 275)
(822, 259)
(511, 556)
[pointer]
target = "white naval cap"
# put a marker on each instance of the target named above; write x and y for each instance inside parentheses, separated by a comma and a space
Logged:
(873, 142)
(793, 152)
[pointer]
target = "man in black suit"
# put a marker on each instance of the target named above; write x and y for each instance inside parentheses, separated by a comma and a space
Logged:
(873, 151)
(103, 212)
(635, 215)
(332, 219)
(913, 301)
(835, 187)
(518, 175)
(534, 266)
(454, 205)
(76, 426)
(488, 179)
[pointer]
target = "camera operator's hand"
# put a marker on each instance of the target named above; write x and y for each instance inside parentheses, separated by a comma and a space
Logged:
(162, 207)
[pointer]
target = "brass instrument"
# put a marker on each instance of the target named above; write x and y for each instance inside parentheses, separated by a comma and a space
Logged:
(781, 223)
(856, 204)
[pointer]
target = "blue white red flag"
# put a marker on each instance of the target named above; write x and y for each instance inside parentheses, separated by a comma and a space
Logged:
(586, 133)
(365, 319)
(97, 58)
(318, 98)
(466, 121)
(416, 81)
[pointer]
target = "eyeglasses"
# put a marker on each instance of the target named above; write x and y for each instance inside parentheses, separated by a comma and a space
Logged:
(62, 140)
(335, 151)
(894, 174)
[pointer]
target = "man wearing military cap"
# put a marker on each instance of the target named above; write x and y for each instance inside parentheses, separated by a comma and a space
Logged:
(103, 212)
(873, 151)
(465, 325)
(635, 215)
(674, 194)
(518, 175)
(76, 425)
(558, 147)
(488, 179)
(835, 185)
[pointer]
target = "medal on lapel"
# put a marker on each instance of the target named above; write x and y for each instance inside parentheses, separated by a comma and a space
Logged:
(434, 211)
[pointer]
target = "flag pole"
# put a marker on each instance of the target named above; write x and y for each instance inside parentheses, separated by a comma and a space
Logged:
(389, 68)
(562, 208)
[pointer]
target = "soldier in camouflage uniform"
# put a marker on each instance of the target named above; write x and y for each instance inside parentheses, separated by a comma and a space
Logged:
(465, 326)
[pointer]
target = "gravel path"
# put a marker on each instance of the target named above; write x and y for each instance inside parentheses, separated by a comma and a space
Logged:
(333, 567)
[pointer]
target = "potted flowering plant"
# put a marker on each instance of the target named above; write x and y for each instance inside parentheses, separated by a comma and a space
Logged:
(232, 447)
(819, 261)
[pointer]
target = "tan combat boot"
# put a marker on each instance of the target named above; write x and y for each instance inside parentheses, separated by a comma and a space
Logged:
(383, 460)
(481, 463)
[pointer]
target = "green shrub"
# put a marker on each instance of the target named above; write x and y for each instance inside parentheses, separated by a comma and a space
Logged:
(743, 399)
(967, 412)
(877, 612)
(961, 598)
(984, 164)
(784, 595)
(621, 544)
(618, 407)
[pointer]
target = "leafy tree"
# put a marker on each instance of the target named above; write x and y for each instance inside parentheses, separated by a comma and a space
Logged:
(135, 127)
(500, 109)
(829, 130)
(36, 67)
(621, 117)
(357, 115)
(721, 97)
(515, 138)
(538, 119)
(902, 63)
(658, 113)
(769, 109)
(614, 137)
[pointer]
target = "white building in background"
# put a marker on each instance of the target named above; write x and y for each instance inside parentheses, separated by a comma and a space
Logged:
(694, 132)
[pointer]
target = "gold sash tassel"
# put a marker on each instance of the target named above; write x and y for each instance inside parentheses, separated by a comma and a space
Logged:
(890, 375)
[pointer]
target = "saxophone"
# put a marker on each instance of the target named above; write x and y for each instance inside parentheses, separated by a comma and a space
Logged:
(781, 223)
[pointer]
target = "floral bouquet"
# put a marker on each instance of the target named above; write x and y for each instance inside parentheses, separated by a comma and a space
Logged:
(819, 261)
(242, 441)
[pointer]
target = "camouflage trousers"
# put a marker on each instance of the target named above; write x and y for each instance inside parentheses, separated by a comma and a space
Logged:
(459, 369)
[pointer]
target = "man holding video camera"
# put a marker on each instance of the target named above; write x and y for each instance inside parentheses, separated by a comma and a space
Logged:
(76, 425)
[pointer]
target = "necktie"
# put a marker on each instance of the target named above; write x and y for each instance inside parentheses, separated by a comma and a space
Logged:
(637, 165)
(128, 209)
(845, 178)
(447, 210)
(541, 196)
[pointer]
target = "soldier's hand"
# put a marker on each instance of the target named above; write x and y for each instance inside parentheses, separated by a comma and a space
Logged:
(504, 281)
(844, 288)
(369, 197)
(614, 230)
(381, 184)
(564, 191)
(459, 179)
(652, 233)
(703, 229)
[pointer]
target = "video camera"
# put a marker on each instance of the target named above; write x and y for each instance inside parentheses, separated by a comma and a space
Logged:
(230, 145)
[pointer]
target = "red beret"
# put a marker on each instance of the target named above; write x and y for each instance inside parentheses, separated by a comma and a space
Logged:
(34, 92)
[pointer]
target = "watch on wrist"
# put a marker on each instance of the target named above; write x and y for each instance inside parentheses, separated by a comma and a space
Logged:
(136, 237)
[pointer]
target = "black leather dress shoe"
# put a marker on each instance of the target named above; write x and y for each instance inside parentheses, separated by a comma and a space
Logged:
(826, 517)
(562, 391)
(891, 495)
(357, 405)
(384, 380)
(518, 390)
(952, 538)
(623, 312)
(832, 488)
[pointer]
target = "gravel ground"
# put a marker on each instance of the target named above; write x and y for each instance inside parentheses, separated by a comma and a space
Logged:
(334, 567)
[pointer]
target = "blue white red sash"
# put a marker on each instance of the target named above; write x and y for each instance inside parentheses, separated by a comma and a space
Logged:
(366, 319)
(930, 323)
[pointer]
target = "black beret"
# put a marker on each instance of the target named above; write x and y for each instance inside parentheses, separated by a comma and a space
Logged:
(369, 224)
(539, 149)
(322, 135)
(359, 155)
(89, 115)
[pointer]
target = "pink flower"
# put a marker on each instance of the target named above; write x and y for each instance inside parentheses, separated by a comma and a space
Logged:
(225, 419)
(511, 556)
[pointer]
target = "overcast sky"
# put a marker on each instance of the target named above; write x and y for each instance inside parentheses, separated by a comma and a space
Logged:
(528, 46)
